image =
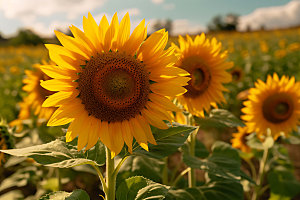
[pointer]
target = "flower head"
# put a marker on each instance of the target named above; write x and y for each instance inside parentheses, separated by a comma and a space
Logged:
(35, 98)
(112, 85)
(207, 66)
(274, 105)
(239, 140)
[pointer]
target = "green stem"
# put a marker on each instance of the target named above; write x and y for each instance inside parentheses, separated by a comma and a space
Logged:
(192, 145)
(101, 177)
(252, 168)
(58, 178)
(110, 176)
(165, 172)
(261, 173)
(180, 175)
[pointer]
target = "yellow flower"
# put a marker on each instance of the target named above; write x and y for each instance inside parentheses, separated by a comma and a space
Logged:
(201, 57)
(294, 47)
(273, 105)
(34, 100)
(112, 85)
(239, 140)
(280, 53)
(264, 46)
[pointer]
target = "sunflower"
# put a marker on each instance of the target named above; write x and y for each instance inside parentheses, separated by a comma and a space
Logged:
(36, 97)
(237, 74)
(274, 105)
(201, 57)
(112, 85)
(239, 140)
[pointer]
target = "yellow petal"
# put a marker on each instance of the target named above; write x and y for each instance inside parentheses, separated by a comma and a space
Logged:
(60, 98)
(83, 39)
(59, 85)
(124, 32)
(56, 72)
(90, 28)
(138, 35)
(153, 119)
(71, 44)
(165, 102)
(93, 133)
(116, 137)
(146, 127)
(138, 132)
(111, 34)
(65, 114)
(127, 135)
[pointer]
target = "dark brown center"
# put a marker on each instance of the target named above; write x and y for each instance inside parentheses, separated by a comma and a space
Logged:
(278, 108)
(236, 75)
(114, 87)
(200, 76)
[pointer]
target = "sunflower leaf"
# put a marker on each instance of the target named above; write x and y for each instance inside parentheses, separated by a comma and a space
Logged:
(139, 188)
(283, 183)
(59, 153)
(225, 190)
(223, 163)
(219, 118)
(168, 141)
(75, 195)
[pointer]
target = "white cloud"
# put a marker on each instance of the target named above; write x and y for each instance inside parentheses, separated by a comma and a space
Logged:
(184, 26)
(31, 9)
(157, 1)
(169, 6)
(272, 17)
(131, 11)
(180, 27)
(46, 30)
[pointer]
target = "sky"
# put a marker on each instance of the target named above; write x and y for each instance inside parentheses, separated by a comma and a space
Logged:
(188, 16)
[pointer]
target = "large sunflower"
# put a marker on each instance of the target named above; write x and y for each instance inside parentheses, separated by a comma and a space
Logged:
(239, 140)
(35, 98)
(274, 105)
(201, 57)
(112, 85)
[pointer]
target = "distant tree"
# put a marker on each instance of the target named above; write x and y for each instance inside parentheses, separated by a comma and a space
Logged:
(26, 37)
(166, 24)
(224, 23)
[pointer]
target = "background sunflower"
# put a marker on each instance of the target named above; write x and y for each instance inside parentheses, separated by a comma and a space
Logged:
(239, 140)
(36, 95)
(273, 105)
(207, 66)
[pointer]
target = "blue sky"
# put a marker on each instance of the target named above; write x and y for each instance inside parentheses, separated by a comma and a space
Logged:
(43, 16)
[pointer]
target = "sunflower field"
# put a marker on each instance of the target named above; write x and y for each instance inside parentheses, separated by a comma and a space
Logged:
(109, 113)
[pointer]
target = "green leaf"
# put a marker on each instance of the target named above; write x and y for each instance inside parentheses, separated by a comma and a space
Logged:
(225, 190)
(147, 167)
(283, 183)
(59, 195)
(200, 150)
(140, 188)
(278, 197)
(219, 118)
(224, 162)
(61, 154)
(168, 141)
